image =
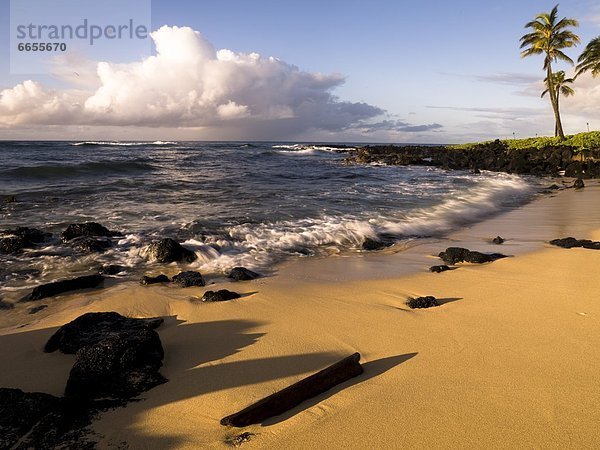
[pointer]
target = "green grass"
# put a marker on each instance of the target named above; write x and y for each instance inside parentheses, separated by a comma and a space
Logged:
(588, 140)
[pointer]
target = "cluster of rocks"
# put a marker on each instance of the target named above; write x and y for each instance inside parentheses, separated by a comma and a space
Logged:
(455, 255)
(89, 237)
(116, 359)
(571, 242)
(452, 256)
(93, 237)
(494, 156)
(191, 278)
(86, 237)
(184, 279)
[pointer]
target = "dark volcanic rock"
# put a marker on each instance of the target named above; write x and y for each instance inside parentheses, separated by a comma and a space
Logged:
(121, 366)
(242, 274)
(579, 184)
(495, 156)
(111, 269)
(116, 359)
(10, 199)
(89, 229)
(91, 328)
(168, 250)
(59, 287)
(13, 241)
(571, 242)
(30, 235)
(575, 169)
(439, 269)
(568, 242)
(554, 187)
(33, 420)
(219, 296)
(90, 245)
(454, 255)
(498, 240)
(13, 244)
(146, 280)
(590, 245)
(422, 302)
(188, 279)
(37, 309)
(372, 244)
(20, 412)
(5, 305)
(116, 356)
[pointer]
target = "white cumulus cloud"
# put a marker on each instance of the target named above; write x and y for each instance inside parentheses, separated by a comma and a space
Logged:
(188, 83)
(232, 110)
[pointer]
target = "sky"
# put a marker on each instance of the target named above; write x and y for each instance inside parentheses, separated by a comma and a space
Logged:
(331, 71)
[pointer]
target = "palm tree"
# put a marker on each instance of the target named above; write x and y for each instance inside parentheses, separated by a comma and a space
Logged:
(560, 86)
(590, 58)
(549, 37)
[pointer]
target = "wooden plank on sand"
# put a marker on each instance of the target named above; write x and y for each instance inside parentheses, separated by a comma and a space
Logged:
(293, 395)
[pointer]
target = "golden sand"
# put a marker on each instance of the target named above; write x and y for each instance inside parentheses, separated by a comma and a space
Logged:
(510, 359)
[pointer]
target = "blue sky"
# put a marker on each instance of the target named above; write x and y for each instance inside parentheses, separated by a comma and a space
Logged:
(455, 65)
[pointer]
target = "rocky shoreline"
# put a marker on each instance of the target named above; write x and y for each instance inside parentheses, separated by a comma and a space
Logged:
(164, 251)
(494, 156)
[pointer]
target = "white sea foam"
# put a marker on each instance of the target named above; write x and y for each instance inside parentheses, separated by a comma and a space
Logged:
(301, 149)
(258, 246)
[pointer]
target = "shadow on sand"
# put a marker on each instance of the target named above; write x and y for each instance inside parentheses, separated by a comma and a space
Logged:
(190, 350)
(372, 369)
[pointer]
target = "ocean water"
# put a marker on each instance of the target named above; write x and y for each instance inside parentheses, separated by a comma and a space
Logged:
(248, 204)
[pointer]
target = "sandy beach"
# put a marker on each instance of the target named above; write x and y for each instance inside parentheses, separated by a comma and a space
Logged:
(299, 225)
(508, 360)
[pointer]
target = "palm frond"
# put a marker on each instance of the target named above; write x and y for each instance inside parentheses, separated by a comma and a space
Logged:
(564, 23)
(567, 91)
(558, 55)
(589, 60)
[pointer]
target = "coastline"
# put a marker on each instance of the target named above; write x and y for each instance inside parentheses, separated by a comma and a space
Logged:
(507, 360)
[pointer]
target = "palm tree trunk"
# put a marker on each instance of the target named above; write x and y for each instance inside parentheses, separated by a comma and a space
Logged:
(553, 99)
(558, 109)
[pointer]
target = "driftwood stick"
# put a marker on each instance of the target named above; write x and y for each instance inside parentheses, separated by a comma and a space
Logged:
(293, 395)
